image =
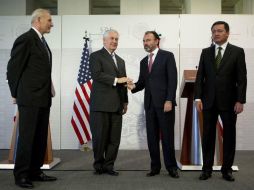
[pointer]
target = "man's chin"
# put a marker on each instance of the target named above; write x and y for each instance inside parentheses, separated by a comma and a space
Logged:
(147, 49)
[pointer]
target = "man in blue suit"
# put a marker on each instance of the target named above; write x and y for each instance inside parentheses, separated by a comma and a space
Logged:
(158, 76)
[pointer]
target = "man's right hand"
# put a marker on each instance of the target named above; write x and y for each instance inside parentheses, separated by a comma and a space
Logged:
(199, 105)
(130, 85)
(122, 80)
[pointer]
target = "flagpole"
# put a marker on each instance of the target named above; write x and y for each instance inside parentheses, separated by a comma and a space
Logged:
(80, 117)
(86, 37)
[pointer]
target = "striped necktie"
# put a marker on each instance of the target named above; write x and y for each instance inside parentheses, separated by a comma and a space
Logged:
(218, 58)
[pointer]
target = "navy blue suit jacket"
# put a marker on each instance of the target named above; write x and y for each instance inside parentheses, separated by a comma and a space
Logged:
(161, 83)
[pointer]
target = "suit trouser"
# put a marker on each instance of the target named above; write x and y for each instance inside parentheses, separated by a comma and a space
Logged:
(209, 135)
(106, 130)
(161, 124)
(32, 140)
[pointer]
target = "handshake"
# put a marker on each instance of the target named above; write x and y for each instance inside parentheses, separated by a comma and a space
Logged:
(129, 82)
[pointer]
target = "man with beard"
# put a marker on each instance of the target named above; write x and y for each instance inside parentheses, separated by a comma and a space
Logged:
(158, 76)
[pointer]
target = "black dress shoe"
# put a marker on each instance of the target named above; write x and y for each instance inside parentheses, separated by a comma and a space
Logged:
(98, 171)
(173, 173)
(228, 176)
(24, 183)
(205, 175)
(152, 173)
(42, 177)
(112, 172)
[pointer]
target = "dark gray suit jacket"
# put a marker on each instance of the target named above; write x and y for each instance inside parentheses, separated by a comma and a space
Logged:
(29, 71)
(223, 86)
(104, 96)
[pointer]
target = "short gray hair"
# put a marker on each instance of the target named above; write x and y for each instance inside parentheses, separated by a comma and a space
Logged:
(109, 31)
(38, 13)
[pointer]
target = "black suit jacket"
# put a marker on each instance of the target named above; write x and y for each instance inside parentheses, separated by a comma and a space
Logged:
(161, 83)
(105, 96)
(226, 85)
(29, 71)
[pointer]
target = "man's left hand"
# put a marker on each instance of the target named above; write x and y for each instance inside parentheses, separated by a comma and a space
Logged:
(167, 106)
(238, 108)
(125, 105)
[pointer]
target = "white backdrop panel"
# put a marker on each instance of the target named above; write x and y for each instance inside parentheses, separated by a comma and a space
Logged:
(11, 28)
(195, 34)
(130, 48)
(189, 32)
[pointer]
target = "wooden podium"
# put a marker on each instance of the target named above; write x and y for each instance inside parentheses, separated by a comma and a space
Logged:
(191, 153)
(49, 160)
(187, 91)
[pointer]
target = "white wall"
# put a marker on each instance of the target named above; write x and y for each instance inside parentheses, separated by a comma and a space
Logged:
(184, 35)
(195, 34)
(12, 27)
(130, 48)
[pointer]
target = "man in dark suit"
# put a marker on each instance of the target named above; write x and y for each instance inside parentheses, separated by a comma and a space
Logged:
(29, 79)
(158, 76)
(108, 103)
(220, 89)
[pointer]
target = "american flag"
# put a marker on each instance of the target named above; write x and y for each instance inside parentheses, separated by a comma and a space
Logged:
(81, 115)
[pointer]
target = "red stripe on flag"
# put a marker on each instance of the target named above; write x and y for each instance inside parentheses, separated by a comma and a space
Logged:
(77, 131)
(85, 94)
(82, 123)
(82, 105)
(89, 83)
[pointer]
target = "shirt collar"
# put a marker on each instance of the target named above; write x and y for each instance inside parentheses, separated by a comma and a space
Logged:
(154, 52)
(223, 46)
(38, 33)
(112, 54)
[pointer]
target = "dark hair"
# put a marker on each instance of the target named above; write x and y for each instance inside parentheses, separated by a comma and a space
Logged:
(226, 26)
(155, 34)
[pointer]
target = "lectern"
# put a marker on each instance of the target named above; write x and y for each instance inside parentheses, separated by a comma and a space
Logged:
(187, 159)
(191, 152)
(49, 160)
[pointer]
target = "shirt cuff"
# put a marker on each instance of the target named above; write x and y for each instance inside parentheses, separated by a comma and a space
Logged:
(115, 82)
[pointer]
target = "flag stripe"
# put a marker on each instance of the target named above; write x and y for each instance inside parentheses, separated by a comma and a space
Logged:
(81, 115)
(84, 90)
(77, 131)
(81, 131)
(81, 121)
(81, 103)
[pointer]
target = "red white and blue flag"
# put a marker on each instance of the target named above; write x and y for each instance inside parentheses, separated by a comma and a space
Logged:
(81, 112)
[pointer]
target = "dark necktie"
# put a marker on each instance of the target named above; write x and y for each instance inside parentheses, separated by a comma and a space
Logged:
(45, 45)
(150, 64)
(218, 58)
